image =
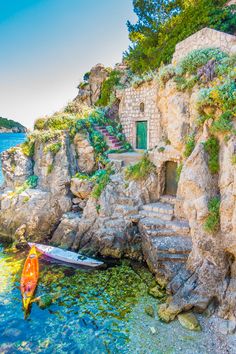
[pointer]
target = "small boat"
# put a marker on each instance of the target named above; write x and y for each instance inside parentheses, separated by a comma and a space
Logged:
(29, 278)
(66, 256)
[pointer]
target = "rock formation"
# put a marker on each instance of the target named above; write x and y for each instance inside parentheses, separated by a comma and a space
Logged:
(187, 240)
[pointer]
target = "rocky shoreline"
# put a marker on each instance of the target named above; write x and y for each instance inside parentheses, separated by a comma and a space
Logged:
(60, 187)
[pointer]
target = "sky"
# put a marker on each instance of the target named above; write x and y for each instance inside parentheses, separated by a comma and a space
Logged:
(46, 47)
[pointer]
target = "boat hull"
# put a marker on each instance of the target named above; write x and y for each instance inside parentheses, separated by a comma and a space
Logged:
(29, 278)
(66, 256)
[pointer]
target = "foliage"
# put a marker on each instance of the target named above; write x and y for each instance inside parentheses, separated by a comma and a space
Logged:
(28, 147)
(178, 171)
(165, 73)
(183, 84)
(199, 57)
(31, 183)
(141, 170)
(190, 145)
(10, 124)
(102, 179)
(107, 88)
(53, 148)
(50, 168)
(211, 146)
(212, 222)
(86, 76)
(223, 123)
(233, 159)
(45, 136)
(162, 24)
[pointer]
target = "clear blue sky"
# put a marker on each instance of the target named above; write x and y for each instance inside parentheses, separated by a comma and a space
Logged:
(47, 45)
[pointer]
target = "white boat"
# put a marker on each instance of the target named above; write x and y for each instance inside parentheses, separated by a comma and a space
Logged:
(65, 256)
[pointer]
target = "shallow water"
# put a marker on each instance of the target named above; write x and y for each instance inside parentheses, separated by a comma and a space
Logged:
(80, 311)
(8, 140)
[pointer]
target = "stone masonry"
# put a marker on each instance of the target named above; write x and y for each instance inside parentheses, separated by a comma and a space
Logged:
(130, 112)
(205, 38)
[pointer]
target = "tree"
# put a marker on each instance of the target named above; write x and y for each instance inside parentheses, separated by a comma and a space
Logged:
(162, 24)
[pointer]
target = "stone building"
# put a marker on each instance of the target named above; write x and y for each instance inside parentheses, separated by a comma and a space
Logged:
(205, 38)
(139, 115)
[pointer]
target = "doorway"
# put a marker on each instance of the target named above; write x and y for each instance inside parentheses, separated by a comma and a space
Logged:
(171, 184)
(141, 135)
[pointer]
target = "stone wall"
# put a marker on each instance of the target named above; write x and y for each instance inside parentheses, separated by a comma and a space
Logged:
(205, 38)
(130, 112)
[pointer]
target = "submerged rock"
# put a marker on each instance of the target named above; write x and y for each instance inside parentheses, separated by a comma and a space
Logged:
(189, 321)
(156, 292)
(150, 311)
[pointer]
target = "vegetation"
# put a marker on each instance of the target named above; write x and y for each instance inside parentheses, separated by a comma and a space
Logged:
(212, 222)
(108, 88)
(190, 145)
(53, 148)
(162, 24)
(28, 147)
(141, 170)
(103, 178)
(233, 159)
(11, 124)
(211, 146)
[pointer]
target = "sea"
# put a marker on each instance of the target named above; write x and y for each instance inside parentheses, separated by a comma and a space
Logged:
(8, 140)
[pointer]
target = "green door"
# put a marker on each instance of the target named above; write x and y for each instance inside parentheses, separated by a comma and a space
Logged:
(141, 135)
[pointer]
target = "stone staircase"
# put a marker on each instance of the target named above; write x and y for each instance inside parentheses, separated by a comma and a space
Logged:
(112, 141)
(166, 240)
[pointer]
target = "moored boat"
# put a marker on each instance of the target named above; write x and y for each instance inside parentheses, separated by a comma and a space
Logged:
(66, 256)
(29, 278)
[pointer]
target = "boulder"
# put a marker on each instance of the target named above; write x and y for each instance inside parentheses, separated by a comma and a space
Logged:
(16, 167)
(81, 188)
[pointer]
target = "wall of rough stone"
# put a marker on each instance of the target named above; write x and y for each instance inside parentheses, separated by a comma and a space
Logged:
(205, 38)
(130, 113)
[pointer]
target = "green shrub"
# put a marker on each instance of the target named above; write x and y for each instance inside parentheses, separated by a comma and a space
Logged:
(40, 123)
(31, 183)
(28, 147)
(86, 76)
(102, 178)
(50, 168)
(199, 57)
(53, 148)
(233, 159)
(141, 170)
(190, 145)
(212, 223)
(223, 123)
(211, 146)
(184, 84)
(165, 73)
(107, 88)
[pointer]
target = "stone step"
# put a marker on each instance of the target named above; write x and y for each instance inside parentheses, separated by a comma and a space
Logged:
(161, 232)
(154, 214)
(172, 244)
(170, 199)
(163, 208)
(162, 257)
(126, 209)
(181, 227)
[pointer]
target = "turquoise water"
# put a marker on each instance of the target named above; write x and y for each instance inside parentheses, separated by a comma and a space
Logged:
(91, 312)
(8, 140)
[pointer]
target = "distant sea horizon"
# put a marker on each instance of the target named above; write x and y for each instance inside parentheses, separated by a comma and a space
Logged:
(8, 140)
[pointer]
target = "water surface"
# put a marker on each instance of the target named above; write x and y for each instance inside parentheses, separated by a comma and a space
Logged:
(83, 312)
(8, 140)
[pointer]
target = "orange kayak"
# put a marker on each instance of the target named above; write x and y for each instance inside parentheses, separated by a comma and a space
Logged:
(29, 278)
